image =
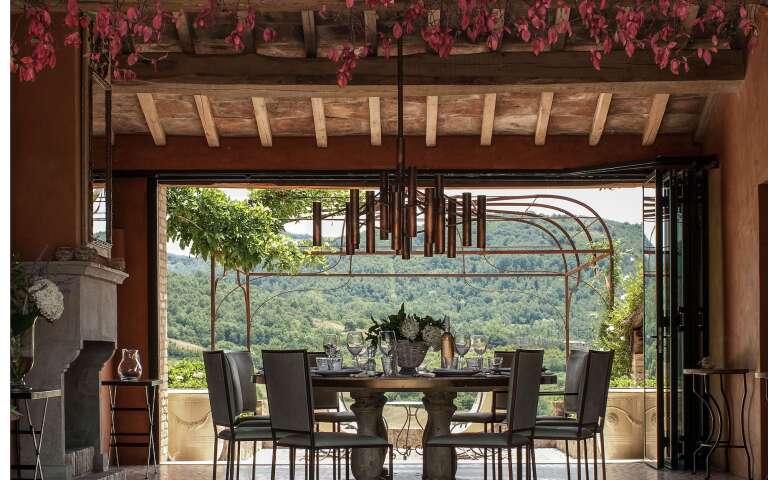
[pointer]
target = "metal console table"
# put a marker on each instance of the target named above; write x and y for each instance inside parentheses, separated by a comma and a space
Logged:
(27, 396)
(718, 414)
(150, 393)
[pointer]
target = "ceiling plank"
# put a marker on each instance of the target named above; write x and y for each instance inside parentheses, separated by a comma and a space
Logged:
(184, 33)
(489, 113)
(310, 33)
(562, 14)
(655, 116)
(318, 114)
(431, 121)
(147, 103)
(262, 121)
(598, 120)
(704, 118)
(370, 19)
(206, 118)
(542, 121)
(374, 112)
(260, 76)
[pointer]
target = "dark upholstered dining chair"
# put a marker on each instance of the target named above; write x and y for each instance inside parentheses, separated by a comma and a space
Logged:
(590, 411)
(521, 406)
(290, 397)
(226, 400)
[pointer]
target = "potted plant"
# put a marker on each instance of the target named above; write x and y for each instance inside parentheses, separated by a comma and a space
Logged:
(32, 297)
(415, 335)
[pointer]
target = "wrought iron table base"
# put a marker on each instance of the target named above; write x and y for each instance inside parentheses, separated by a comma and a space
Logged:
(37, 439)
(714, 438)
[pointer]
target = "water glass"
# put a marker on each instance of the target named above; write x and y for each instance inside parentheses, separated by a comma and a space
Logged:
(331, 344)
(387, 343)
(480, 345)
(355, 344)
(453, 364)
(462, 342)
(323, 364)
(496, 363)
(386, 365)
(474, 363)
(334, 364)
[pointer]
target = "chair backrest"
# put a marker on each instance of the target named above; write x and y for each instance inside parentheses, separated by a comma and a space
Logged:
(244, 370)
(223, 388)
(324, 399)
(594, 391)
(574, 377)
(524, 383)
(289, 391)
(500, 398)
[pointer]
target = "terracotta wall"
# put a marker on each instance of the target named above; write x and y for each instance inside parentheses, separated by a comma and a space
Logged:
(739, 136)
(46, 194)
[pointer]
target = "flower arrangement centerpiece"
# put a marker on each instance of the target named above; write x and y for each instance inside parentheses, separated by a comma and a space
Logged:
(415, 335)
(32, 297)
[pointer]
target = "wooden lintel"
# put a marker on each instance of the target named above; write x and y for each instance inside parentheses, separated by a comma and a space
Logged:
(599, 118)
(310, 33)
(318, 114)
(262, 121)
(147, 104)
(655, 116)
(206, 119)
(374, 112)
(542, 121)
(431, 132)
(253, 75)
(489, 113)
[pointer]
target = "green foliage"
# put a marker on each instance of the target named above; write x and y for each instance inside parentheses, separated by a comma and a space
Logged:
(187, 373)
(625, 381)
(241, 234)
(616, 327)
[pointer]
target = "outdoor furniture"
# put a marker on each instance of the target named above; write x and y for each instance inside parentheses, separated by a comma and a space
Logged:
(244, 369)
(150, 394)
(289, 392)
(521, 406)
(226, 404)
(33, 430)
(714, 438)
(592, 401)
(411, 413)
(439, 395)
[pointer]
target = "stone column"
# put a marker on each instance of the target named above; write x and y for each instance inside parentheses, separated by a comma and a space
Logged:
(439, 462)
(367, 463)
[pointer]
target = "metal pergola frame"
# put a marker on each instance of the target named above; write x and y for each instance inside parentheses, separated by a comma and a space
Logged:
(514, 208)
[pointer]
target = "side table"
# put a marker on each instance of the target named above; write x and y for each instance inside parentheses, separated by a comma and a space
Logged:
(150, 393)
(715, 439)
(27, 396)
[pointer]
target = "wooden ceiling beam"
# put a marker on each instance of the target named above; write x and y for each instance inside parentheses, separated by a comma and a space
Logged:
(655, 116)
(542, 121)
(562, 14)
(318, 115)
(147, 104)
(374, 113)
(262, 121)
(370, 20)
(599, 118)
(489, 113)
(310, 33)
(426, 74)
(207, 120)
(184, 32)
(431, 132)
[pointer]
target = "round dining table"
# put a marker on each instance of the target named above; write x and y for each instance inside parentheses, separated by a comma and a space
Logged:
(439, 394)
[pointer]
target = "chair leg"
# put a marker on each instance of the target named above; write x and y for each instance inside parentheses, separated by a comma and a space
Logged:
(578, 460)
(274, 461)
(586, 460)
(509, 464)
(291, 463)
(528, 462)
(346, 460)
(391, 462)
(238, 460)
(485, 455)
(312, 459)
(215, 452)
(229, 452)
(533, 460)
(519, 462)
(594, 454)
(602, 452)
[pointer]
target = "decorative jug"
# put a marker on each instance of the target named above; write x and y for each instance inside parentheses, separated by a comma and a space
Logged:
(130, 365)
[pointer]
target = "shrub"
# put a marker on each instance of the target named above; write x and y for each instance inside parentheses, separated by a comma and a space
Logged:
(187, 373)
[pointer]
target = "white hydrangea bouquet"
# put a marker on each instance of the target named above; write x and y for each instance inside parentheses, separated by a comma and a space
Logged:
(415, 335)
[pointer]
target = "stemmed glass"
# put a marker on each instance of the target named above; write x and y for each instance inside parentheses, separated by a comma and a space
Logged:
(355, 345)
(462, 342)
(331, 344)
(387, 345)
(480, 345)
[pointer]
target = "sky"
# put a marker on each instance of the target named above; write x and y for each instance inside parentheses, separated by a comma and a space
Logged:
(618, 204)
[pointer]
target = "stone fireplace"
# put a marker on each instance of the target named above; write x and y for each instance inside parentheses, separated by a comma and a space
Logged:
(69, 356)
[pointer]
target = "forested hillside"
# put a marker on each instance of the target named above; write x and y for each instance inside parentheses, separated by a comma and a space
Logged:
(294, 311)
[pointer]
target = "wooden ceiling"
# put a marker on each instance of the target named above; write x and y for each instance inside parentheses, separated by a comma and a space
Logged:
(282, 89)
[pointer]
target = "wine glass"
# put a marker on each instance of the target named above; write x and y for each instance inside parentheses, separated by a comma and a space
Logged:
(355, 345)
(387, 346)
(462, 341)
(331, 344)
(480, 345)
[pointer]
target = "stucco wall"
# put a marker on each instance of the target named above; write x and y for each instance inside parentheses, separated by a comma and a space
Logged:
(738, 134)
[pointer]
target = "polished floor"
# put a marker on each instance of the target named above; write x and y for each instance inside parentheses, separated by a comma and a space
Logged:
(408, 471)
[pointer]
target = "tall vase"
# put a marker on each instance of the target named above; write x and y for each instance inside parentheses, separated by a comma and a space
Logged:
(130, 365)
(22, 357)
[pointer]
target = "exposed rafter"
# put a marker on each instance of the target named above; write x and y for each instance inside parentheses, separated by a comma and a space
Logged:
(262, 121)
(599, 118)
(147, 103)
(318, 115)
(206, 119)
(655, 116)
(310, 33)
(431, 132)
(542, 121)
(489, 113)
(374, 113)
(705, 118)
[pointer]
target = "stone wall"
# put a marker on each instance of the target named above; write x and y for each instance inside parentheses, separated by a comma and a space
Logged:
(162, 319)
